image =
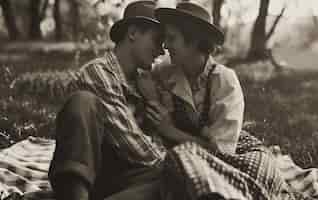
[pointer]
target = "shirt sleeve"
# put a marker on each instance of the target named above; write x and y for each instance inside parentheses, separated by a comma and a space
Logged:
(226, 110)
(123, 132)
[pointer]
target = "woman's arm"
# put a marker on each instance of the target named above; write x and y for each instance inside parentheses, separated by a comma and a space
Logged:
(177, 136)
(226, 110)
(160, 118)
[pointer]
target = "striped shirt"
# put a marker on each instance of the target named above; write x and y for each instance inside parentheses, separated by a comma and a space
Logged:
(104, 77)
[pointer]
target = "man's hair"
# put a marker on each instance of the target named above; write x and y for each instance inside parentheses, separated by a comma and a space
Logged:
(141, 26)
(191, 35)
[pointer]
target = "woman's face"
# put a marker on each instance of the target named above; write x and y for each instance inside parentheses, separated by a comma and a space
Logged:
(180, 51)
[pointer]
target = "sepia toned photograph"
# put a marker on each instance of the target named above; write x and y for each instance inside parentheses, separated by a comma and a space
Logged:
(158, 99)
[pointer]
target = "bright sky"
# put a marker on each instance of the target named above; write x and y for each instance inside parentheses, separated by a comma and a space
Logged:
(247, 10)
(295, 8)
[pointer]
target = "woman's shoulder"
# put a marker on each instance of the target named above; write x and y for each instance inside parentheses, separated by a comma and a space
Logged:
(221, 76)
(224, 70)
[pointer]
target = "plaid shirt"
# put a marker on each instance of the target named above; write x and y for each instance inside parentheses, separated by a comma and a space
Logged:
(105, 78)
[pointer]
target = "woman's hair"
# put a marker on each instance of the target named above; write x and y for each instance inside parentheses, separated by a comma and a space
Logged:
(192, 35)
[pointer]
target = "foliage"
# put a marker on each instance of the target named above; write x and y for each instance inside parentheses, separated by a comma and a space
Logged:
(47, 86)
(22, 114)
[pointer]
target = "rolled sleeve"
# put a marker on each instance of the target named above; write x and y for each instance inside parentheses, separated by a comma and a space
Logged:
(72, 167)
(226, 110)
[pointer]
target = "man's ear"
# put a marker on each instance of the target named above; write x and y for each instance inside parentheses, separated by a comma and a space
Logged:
(132, 32)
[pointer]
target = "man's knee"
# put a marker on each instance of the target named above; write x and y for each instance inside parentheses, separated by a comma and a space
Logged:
(82, 98)
(81, 101)
(80, 109)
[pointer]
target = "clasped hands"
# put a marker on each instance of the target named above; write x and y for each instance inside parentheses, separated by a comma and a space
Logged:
(160, 117)
(156, 113)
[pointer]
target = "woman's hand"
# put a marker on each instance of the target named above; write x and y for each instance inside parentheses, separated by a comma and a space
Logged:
(158, 114)
(161, 119)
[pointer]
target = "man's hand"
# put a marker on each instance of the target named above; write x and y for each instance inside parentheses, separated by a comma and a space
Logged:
(147, 87)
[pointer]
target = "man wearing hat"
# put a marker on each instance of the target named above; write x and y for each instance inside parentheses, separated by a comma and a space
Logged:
(100, 148)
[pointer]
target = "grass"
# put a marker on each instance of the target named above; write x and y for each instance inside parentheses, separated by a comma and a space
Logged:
(281, 108)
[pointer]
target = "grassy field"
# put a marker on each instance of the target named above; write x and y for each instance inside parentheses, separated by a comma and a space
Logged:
(281, 108)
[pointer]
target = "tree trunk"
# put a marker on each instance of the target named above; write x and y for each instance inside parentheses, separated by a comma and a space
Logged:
(43, 9)
(58, 20)
(35, 30)
(272, 29)
(9, 20)
(76, 20)
(216, 11)
(258, 40)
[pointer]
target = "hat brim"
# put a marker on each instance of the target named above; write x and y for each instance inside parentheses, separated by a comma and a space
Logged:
(171, 15)
(119, 27)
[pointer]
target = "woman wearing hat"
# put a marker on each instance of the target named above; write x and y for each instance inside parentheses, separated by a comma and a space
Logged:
(211, 158)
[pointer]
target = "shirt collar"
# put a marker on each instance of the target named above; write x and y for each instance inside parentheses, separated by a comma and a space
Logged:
(181, 86)
(210, 65)
(117, 69)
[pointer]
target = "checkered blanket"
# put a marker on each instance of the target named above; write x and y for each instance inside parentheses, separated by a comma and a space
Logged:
(303, 182)
(24, 167)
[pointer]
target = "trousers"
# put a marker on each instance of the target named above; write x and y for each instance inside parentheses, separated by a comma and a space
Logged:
(82, 151)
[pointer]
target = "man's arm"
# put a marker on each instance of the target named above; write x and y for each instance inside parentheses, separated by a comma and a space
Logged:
(123, 132)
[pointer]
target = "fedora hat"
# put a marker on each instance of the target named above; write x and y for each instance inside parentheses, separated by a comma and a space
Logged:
(139, 11)
(194, 15)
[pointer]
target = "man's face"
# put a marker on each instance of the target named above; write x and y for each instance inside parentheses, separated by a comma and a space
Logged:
(147, 47)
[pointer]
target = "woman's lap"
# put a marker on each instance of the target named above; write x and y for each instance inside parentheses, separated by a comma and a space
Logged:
(250, 174)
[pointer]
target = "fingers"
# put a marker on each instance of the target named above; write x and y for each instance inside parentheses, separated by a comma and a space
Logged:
(155, 105)
(157, 113)
(153, 116)
(147, 89)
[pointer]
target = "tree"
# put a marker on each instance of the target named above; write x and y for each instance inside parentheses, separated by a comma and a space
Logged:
(9, 19)
(75, 19)
(58, 20)
(37, 13)
(259, 37)
(216, 11)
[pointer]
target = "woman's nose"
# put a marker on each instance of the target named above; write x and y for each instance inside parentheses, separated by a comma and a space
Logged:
(165, 46)
(161, 50)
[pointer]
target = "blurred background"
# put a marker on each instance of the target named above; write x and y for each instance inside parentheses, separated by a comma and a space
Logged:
(271, 44)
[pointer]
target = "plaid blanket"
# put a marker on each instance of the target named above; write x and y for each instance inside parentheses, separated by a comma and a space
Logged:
(303, 182)
(24, 167)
